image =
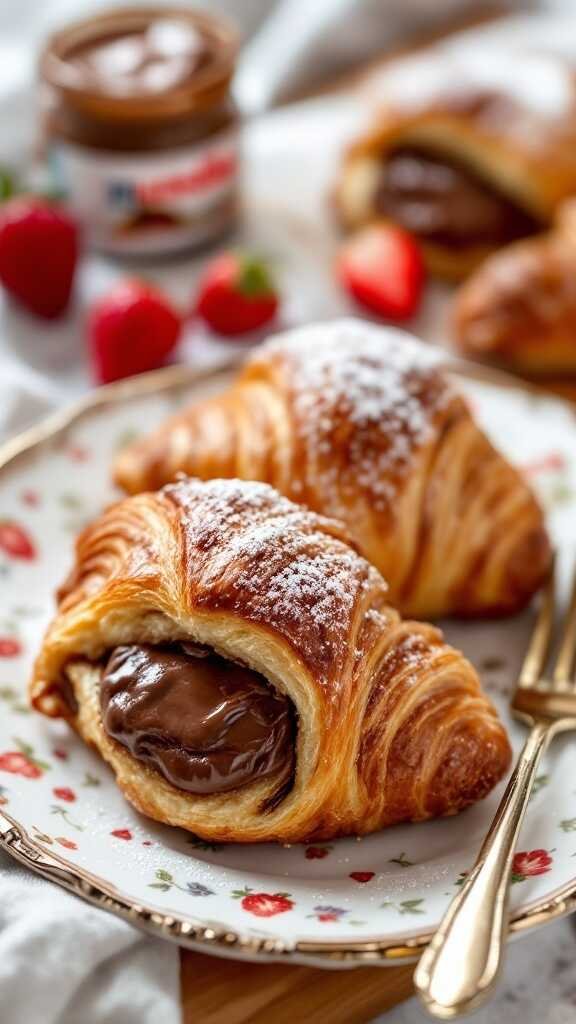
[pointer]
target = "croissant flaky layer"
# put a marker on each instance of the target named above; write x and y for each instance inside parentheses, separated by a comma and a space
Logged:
(391, 723)
(361, 423)
(465, 154)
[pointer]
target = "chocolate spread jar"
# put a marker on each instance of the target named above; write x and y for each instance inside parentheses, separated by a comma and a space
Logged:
(142, 129)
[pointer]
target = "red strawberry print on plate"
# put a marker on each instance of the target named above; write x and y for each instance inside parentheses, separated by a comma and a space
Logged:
(64, 793)
(19, 764)
(10, 647)
(30, 498)
(317, 852)
(552, 462)
(15, 541)
(362, 876)
(530, 862)
(77, 453)
(327, 914)
(264, 904)
(67, 843)
(122, 833)
(381, 268)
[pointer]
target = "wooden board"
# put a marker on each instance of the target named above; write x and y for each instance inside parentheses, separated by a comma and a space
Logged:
(217, 991)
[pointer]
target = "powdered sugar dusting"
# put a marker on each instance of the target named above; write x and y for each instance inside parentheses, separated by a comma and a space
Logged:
(255, 552)
(365, 399)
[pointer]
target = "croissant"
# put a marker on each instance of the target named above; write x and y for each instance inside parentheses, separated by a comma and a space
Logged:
(467, 153)
(519, 308)
(236, 663)
(361, 423)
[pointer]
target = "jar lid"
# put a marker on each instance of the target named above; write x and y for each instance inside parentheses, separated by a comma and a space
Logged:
(142, 62)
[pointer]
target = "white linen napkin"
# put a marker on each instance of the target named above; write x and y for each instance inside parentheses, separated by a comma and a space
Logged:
(63, 961)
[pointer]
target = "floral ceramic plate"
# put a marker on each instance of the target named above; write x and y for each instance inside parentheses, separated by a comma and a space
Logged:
(342, 902)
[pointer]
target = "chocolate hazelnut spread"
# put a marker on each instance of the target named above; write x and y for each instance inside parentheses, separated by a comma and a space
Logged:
(208, 725)
(142, 127)
(162, 55)
(442, 201)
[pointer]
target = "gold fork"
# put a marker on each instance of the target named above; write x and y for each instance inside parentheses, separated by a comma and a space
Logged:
(460, 966)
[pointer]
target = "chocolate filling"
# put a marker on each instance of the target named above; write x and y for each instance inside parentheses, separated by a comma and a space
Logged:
(445, 202)
(206, 724)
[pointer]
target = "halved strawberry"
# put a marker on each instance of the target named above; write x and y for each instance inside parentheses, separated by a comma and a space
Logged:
(381, 267)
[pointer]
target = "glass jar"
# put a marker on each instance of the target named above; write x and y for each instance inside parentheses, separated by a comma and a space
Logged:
(142, 129)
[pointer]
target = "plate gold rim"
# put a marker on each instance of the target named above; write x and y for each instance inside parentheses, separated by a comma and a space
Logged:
(189, 932)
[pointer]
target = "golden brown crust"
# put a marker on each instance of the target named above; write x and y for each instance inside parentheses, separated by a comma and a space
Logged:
(516, 131)
(392, 723)
(360, 423)
(519, 309)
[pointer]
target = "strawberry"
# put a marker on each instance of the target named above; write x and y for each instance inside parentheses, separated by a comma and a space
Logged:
(9, 647)
(122, 833)
(263, 904)
(38, 254)
(362, 876)
(14, 541)
(19, 764)
(64, 793)
(132, 329)
(236, 294)
(381, 268)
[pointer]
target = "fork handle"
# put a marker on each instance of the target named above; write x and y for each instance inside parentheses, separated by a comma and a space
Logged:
(461, 963)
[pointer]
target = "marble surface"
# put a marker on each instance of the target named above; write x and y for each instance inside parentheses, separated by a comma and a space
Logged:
(538, 984)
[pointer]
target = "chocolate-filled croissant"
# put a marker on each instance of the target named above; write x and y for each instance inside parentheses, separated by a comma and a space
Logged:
(467, 152)
(361, 423)
(518, 309)
(237, 664)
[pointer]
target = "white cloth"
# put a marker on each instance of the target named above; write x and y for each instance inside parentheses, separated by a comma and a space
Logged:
(538, 984)
(63, 961)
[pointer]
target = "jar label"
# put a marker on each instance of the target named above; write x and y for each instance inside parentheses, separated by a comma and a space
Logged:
(151, 202)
